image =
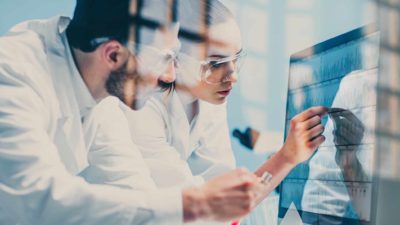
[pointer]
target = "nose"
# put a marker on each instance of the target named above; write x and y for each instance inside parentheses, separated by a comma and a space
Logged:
(169, 75)
(230, 77)
(230, 73)
(233, 77)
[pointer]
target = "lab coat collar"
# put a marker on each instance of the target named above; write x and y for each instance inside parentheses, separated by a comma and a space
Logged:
(83, 96)
(61, 49)
(186, 98)
(69, 92)
(176, 109)
(179, 119)
(205, 114)
(176, 112)
(59, 64)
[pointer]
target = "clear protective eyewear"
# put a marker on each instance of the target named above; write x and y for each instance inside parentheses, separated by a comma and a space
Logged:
(213, 71)
(219, 70)
(154, 61)
(151, 60)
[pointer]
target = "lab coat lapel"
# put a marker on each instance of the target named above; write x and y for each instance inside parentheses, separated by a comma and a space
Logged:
(179, 124)
(201, 120)
(69, 134)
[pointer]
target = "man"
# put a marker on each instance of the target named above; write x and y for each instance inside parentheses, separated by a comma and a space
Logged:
(45, 94)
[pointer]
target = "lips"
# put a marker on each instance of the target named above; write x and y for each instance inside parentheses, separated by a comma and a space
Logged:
(225, 92)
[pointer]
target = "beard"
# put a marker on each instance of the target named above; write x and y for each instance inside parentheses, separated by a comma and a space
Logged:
(123, 85)
(131, 88)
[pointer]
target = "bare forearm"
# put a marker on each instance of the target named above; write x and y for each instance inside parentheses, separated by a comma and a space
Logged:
(278, 166)
(219, 203)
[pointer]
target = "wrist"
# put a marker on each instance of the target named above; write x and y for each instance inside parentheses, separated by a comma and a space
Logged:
(286, 157)
(194, 204)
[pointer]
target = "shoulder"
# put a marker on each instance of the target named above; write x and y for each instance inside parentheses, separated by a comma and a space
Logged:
(24, 70)
(106, 119)
(24, 57)
(109, 108)
(155, 107)
(23, 44)
(150, 120)
(159, 102)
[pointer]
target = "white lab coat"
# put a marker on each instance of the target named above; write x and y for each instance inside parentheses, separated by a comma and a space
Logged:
(176, 153)
(113, 158)
(42, 146)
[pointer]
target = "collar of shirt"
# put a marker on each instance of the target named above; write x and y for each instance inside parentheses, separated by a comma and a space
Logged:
(84, 97)
(190, 106)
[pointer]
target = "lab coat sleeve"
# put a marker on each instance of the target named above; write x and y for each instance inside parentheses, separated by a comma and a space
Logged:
(113, 157)
(35, 187)
(213, 155)
(148, 127)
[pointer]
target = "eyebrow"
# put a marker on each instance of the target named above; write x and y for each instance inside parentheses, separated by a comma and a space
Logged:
(224, 56)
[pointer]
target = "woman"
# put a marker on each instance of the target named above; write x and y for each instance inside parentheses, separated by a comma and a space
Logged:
(183, 133)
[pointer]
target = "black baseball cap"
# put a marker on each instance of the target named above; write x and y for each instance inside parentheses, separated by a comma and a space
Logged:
(97, 19)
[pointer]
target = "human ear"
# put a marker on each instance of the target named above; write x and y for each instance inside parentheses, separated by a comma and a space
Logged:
(114, 55)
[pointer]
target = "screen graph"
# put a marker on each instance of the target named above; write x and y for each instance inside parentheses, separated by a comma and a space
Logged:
(335, 185)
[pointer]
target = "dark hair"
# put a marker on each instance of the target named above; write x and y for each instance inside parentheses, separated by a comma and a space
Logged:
(93, 19)
(166, 86)
(83, 40)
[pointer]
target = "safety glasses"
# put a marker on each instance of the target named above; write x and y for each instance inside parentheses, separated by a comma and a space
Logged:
(214, 70)
(154, 61)
(219, 70)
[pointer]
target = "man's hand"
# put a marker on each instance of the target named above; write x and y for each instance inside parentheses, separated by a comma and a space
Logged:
(305, 135)
(224, 198)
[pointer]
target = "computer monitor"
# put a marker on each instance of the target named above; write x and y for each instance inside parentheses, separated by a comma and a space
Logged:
(336, 185)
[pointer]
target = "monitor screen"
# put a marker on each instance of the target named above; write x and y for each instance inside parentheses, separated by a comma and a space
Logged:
(335, 186)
